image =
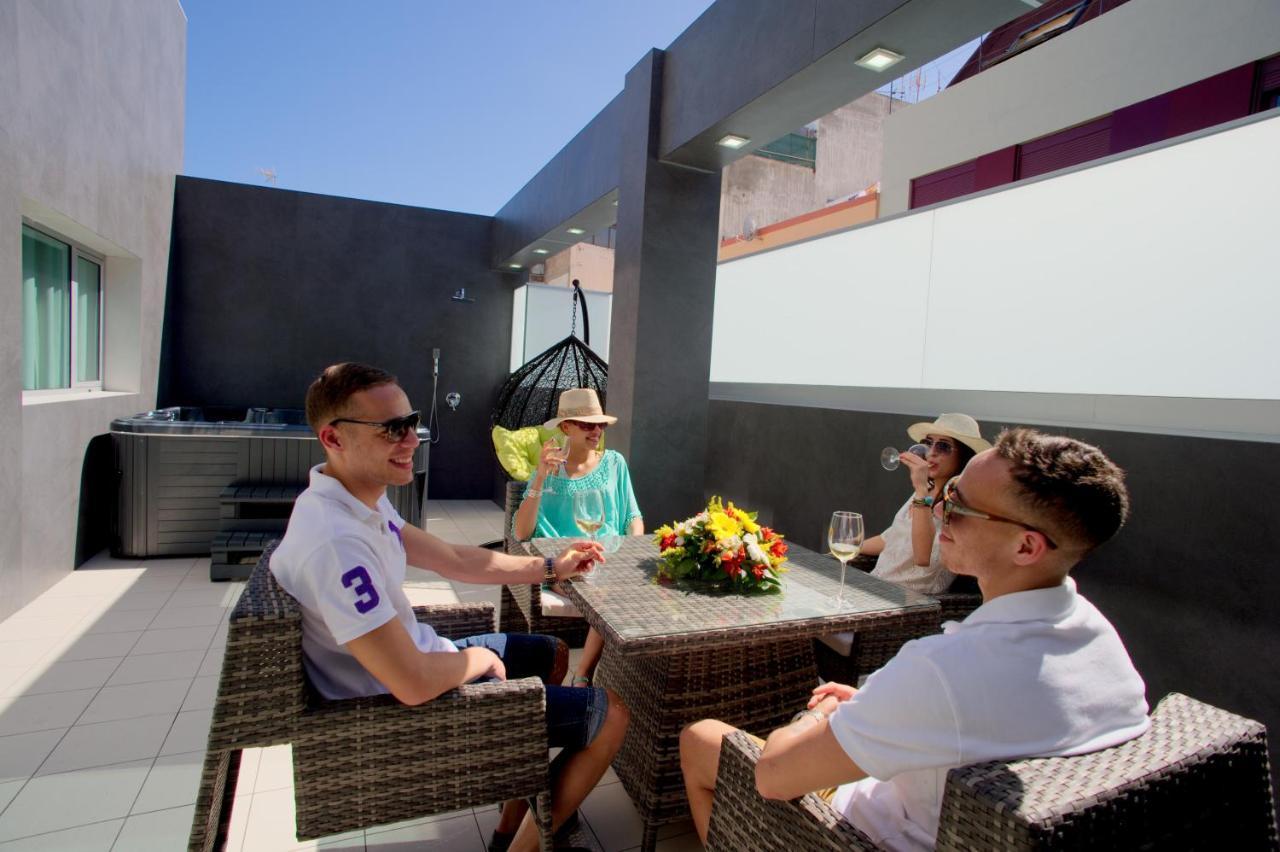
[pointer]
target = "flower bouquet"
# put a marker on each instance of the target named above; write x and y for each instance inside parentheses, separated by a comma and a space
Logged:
(723, 546)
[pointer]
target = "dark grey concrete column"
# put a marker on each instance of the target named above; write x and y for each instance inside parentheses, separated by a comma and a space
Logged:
(664, 289)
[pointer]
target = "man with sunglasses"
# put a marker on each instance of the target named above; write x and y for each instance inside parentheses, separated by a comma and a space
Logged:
(343, 557)
(1035, 671)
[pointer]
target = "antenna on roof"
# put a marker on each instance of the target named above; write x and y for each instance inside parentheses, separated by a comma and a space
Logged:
(268, 175)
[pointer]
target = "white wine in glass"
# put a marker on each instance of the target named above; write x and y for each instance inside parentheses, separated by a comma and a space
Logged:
(588, 511)
(844, 537)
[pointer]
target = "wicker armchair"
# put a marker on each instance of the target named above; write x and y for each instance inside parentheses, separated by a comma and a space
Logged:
(1198, 779)
(871, 649)
(522, 604)
(367, 761)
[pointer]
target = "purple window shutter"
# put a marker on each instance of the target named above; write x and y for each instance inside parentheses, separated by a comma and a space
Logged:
(1211, 101)
(944, 184)
(1269, 74)
(1141, 123)
(1078, 144)
(996, 168)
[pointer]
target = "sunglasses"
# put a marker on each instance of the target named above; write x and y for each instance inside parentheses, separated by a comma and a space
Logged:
(393, 430)
(588, 427)
(952, 507)
(943, 448)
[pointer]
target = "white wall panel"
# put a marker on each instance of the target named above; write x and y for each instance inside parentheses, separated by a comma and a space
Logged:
(843, 310)
(1150, 275)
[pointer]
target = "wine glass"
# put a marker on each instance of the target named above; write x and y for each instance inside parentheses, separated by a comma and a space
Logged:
(844, 537)
(588, 511)
(889, 456)
(560, 454)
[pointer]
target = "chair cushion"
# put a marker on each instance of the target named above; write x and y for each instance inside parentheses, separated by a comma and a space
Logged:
(518, 450)
(558, 606)
(841, 643)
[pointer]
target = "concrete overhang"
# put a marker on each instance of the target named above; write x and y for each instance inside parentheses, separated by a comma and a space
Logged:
(797, 63)
(753, 68)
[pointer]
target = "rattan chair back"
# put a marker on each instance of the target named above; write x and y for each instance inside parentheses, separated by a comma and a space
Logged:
(1198, 779)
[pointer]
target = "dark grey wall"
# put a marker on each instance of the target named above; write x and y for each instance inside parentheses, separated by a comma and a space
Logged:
(1191, 582)
(267, 286)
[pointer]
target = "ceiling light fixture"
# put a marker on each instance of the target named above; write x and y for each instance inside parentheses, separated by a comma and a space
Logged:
(514, 266)
(540, 251)
(732, 141)
(880, 59)
(577, 232)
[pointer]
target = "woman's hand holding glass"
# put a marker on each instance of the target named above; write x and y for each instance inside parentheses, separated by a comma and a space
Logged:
(919, 470)
(555, 452)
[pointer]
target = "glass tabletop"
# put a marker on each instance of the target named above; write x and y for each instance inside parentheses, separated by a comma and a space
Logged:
(625, 599)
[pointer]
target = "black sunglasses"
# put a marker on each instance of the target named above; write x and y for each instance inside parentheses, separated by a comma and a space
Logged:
(951, 505)
(588, 427)
(943, 448)
(393, 430)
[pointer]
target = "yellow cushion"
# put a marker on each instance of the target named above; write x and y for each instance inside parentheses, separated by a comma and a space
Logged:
(518, 450)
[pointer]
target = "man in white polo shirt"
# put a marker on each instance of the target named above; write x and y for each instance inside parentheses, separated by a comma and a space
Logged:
(343, 557)
(1035, 671)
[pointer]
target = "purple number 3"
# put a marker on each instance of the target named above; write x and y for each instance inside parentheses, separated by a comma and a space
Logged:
(357, 580)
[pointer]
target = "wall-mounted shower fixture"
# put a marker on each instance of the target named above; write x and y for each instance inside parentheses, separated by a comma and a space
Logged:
(453, 399)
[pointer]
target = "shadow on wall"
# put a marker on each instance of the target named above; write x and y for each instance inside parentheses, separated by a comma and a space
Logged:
(97, 508)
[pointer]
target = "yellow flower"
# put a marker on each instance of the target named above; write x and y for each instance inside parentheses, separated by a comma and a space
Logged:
(722, 526)
(748, 525)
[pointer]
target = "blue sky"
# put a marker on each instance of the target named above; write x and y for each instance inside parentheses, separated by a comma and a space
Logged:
(447, 105)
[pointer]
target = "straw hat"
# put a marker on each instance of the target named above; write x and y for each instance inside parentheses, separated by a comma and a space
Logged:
(579, 404)
(962, 427)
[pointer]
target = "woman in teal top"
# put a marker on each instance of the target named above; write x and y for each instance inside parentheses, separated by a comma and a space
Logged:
(547, 508)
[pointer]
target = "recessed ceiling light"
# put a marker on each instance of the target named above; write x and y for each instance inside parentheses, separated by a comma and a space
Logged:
(514, 266)
(540, 251)
(731, 141)
(880, 59)
(576, 231)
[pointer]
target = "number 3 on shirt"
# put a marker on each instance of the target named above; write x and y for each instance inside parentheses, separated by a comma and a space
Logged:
(357, 580)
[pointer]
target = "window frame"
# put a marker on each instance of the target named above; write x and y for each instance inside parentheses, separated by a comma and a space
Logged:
(77, 251)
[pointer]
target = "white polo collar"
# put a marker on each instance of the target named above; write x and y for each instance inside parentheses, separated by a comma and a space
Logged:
(328, 487)
(1050, 604)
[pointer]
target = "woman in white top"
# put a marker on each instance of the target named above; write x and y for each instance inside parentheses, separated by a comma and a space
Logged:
(908, 550)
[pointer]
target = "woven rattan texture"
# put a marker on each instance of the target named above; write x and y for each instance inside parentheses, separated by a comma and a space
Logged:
(368, 761)
(522, 603)
(741, 819)
(676, 655)
(639, 615)
(1199, 779)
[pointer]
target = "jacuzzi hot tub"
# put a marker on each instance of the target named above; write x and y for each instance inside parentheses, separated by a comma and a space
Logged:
(174, 465)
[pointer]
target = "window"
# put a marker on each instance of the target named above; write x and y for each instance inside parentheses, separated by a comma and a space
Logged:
(62, 287)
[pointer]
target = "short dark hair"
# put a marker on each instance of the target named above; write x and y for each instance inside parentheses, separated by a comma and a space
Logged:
(337, 383)
(1072, 487)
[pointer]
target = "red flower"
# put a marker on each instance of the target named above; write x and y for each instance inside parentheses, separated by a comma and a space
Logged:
(758, 571)
(668, 541)
(767, 534)
(779, 548)
(732, 567)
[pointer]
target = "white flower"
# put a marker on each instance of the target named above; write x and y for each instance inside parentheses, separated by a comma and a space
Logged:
(679, 541)
(754, 551)
(731, 544)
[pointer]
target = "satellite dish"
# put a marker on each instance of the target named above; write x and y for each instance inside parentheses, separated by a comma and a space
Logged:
(749, 228)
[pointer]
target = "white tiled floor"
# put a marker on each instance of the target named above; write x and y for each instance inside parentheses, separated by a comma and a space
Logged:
(107, 683)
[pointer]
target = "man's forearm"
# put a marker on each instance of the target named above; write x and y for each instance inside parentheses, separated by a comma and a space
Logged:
(480, 565)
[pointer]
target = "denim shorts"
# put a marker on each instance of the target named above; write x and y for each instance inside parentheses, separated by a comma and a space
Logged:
(574, 714)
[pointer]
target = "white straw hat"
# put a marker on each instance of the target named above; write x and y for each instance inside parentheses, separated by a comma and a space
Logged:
(579, 404)
(962, 427)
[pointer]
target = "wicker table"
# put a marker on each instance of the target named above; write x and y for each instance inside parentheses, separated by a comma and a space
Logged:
(678, 654)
